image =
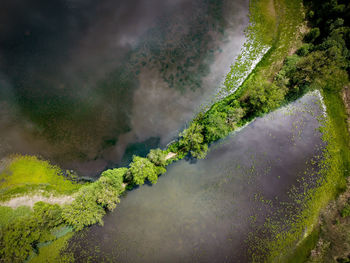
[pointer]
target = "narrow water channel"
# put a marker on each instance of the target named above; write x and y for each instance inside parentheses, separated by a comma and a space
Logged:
(204, 211)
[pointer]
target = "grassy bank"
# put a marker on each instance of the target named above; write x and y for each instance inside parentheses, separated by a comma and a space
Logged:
(28, 174)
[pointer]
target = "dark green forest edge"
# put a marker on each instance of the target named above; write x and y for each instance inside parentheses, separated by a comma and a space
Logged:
(303, 56)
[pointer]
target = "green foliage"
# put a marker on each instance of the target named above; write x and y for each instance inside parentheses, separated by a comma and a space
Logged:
(304, 49)
(336, 80)
(302, 251)
(216, 126)
(20, 237)
(142, 169)
(107, 195)
(47, 215)
(219, 124)
(192, 140)
(282, 78)
(264, 97)
(84, 210)
(157, 156)
(8, 214)
(92, 200)
(345, 212)
(312, 35)
(116, 175)
(324, 68)
(264, 21)
(323, 65)
(260, 34)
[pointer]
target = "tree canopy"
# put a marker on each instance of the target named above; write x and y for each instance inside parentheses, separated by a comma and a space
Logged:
(142, 169)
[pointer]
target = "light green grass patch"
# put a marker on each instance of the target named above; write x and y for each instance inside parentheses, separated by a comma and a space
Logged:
(26, 174)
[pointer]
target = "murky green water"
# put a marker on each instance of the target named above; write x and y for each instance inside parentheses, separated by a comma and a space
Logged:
(82, 81)
(204, 211)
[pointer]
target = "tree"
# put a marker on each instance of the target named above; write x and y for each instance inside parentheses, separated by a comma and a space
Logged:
(264, 97)
(192, 140)
(142, 169)
(106, 193)
(117, 177)
(157, 156)
(216, 126)
(234, 115)
(200, 151)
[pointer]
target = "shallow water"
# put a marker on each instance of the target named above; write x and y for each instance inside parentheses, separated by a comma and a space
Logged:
(204, 211)
(82, 81)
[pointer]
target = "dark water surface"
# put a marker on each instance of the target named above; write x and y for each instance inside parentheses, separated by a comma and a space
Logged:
(82, 81)
(204, 211)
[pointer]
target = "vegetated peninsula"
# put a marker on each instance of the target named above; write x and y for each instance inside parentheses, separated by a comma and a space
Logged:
(301, 47)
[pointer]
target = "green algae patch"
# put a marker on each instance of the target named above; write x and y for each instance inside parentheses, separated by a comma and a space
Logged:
(28, 174)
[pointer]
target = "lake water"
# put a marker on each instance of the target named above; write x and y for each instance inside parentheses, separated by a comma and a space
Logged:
(205, 211)
(87, 84)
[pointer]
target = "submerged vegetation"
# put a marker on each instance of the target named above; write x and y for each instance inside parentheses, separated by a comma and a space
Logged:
(321, 62)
